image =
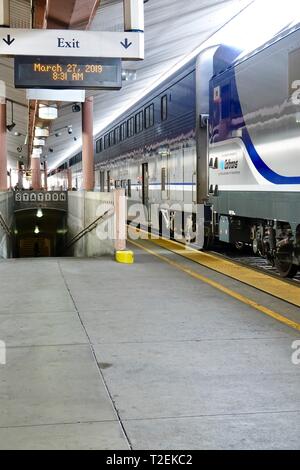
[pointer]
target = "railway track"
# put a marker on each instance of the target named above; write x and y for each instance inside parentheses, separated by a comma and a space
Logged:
(239, 270)
(244, 258)
(255, 262)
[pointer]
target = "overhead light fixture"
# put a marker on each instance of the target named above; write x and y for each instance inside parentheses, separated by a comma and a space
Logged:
(129, 75)
(39, 213)
(36, 230)
(57, 134)
(41, 132)
(48, 111)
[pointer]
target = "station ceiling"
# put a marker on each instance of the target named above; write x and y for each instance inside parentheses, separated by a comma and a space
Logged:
(173, 29)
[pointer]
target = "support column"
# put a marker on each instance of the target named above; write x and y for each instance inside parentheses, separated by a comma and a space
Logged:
(46, 176)
(133, 15)
(36, 172)
(88, 176)
(4, 13)
(20, 175)
(3, 148)
(120, 216)
(69, 170)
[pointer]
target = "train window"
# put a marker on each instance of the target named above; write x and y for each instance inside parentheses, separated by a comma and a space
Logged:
(76, 159)
(164, 108)
(106, 141)
(129, 188)
(163, 179)
(130, 127)
(99, 146)
(149, 116)
(123, 131)
(117, 135)
(102, 180)
(112, 138)
(139, 122)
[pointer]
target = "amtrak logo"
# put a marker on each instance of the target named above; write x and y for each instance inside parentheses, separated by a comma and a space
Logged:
(229, 164)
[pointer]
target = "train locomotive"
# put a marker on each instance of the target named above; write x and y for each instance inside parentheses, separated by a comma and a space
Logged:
(216, 147)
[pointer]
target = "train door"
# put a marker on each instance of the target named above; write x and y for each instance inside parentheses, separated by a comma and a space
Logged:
(145, 184)
(102, 181)
(190, 176)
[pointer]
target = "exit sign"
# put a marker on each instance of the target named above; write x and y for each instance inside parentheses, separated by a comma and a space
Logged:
(68, 72)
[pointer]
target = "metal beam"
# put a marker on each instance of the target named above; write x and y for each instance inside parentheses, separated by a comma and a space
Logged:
(4, 13)
(134, 15)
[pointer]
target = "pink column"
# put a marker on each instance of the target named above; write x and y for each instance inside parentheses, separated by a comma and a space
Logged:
(36, 173)
(69, 179)
(46, 176)
(120, 206)
(3, 149)
(88, 177)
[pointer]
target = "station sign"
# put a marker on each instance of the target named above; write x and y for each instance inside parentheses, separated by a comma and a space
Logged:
(45, 196)
(71, 43)
(68, 73)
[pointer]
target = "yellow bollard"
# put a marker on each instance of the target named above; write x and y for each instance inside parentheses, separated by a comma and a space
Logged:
(125, 257)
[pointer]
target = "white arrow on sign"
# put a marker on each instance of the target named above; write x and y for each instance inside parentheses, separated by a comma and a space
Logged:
(52, 42)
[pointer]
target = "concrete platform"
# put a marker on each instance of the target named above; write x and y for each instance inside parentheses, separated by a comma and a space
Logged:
(108, 356)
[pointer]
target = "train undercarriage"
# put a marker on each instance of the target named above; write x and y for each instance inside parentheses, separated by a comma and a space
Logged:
(273, 240)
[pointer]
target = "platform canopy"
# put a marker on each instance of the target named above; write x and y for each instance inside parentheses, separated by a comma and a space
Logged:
(174, 31)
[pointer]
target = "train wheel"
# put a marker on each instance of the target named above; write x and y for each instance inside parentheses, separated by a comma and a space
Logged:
(284, 262)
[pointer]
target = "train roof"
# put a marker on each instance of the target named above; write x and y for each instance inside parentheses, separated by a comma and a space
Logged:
(244, 56)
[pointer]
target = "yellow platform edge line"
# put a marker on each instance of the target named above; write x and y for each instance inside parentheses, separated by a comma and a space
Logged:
(261, 281)
(225, 290)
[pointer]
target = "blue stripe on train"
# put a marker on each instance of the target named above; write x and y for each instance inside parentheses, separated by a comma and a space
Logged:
(228, 100)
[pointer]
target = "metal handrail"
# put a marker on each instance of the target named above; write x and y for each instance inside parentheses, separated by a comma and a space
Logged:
(89, 228)
(5, 226)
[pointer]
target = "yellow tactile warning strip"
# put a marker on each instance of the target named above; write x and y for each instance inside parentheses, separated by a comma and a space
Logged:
(225, 290)
(262, 281)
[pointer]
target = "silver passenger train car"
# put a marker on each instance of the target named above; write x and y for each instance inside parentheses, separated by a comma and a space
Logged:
(215, 149)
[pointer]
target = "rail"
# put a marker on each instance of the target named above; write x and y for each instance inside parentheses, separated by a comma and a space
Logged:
(5, 226)
(89, 228)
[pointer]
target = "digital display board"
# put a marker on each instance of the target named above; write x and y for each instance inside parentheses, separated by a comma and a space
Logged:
(68, 73)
